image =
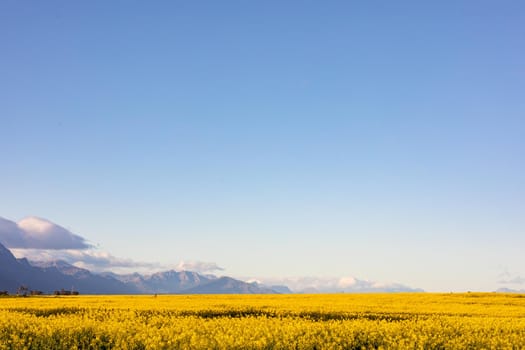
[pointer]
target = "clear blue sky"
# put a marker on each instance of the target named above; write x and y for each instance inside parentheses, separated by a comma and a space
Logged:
(378, 139)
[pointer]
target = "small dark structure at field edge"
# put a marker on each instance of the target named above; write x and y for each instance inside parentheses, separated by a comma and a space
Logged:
(65, 292)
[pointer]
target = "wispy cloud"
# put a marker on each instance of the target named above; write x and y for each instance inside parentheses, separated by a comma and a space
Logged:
(37, 233)
(506, 277)
(513, 280)
(42, 240)
(39, 239)
(312, 284)
(97, 260)
(198, 266)
(92, 259)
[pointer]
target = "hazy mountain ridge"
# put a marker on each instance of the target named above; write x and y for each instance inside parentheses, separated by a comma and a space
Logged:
(228, 285)
(166, 282)
(48, 276)
(170, 281)
(510, 290)
(51, 276)
(62, 266)
(316, 285)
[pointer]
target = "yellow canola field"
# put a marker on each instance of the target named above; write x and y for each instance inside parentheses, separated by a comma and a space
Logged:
(342, 321)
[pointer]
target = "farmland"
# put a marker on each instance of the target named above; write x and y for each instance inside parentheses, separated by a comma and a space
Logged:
(338, 321)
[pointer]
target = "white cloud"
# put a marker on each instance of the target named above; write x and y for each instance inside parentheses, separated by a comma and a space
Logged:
(37, 233)
(299, 284)
(100, 261)
(198, 266)
(514, 280)
(348, 284)
(506, 277)
(39, 239)
(91, 259)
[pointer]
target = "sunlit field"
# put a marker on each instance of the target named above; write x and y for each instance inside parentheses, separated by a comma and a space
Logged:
(342, 321)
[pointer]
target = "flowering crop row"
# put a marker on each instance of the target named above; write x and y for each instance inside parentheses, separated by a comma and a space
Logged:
(372, 321)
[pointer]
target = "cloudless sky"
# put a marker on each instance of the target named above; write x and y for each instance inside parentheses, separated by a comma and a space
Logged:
(378, 139)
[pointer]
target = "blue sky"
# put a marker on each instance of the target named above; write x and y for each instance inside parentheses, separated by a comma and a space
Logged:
(383, 140)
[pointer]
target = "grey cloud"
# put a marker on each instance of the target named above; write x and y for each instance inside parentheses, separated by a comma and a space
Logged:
(10, 234)
(37, 233)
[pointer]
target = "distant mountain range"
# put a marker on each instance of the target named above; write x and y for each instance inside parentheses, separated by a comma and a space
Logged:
(509, 290)
(49, 276)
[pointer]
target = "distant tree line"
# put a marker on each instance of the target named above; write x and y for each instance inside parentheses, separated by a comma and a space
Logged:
(24, 291)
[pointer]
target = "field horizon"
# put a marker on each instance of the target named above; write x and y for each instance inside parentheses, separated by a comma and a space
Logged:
(329, 321)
